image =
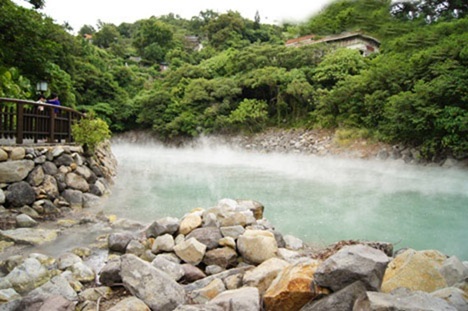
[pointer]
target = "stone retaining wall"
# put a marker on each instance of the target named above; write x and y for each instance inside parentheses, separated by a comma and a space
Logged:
(44, 181)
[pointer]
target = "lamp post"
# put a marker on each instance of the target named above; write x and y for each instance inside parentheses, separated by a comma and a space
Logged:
(41, 87)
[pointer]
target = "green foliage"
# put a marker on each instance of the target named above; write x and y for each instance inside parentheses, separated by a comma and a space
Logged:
(90, 131)
(251, 113)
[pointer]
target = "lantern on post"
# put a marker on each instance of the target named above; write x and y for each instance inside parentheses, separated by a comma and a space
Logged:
(41, 87)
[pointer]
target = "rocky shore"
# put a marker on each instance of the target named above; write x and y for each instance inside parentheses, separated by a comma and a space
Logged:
(222, 257)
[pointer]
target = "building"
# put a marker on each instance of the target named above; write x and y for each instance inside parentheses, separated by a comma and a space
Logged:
(365, 44)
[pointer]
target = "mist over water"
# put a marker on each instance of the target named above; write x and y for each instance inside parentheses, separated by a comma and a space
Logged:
(319, 199)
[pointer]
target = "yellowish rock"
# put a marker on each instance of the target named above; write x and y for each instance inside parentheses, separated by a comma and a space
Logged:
(190, 222)
(415, 270)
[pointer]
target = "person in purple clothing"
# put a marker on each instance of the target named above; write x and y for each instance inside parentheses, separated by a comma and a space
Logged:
(54, 101)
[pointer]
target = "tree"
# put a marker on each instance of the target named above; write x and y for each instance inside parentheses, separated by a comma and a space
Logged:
(153, 39)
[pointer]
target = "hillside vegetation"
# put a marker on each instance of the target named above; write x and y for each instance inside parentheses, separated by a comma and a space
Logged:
(244, 78)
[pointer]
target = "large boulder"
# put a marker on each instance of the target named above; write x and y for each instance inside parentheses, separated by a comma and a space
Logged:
(110, 273)
(173, 269)
(20, 193)
(350, 264)
(118, 241)
(76, 182)
(256, 246)
(454, 296)
(151, 285)
(292, 289)
(415, 270)
(15, 171)
(454, 271)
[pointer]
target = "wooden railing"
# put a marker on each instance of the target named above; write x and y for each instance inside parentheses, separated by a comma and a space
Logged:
(24, 119)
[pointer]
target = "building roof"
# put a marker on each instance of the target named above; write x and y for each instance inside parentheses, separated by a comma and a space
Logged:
(333, 38)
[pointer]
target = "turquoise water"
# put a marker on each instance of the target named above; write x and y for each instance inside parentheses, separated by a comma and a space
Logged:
(320, 200)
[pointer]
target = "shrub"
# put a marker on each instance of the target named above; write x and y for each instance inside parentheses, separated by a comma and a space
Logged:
(90, 131)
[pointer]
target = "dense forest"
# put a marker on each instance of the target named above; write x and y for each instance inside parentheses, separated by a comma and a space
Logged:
(223, 73)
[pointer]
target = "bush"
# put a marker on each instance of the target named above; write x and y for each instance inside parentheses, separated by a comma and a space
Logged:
(90, 131)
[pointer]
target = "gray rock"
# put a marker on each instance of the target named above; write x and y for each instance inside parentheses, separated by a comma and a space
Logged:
(135, 248)
(242, 299)
(2, 196)
(163, 243)
(81, 272)
(213, 269)
(64, 159)
(224, 257)
(27, 276)
(454, 296)
(86, 173)
(36, 177)
(110, 273)
(174, 270)
(40, 159)
(74, 197)
(67, 260)
(24, 221)
(50, 168)
(208, 236)
(130, 304)
(453, 271)
(223, 275)
(50, 186)
(151, 285)
(76, 182)
(15, 171)
(29, 236)
(161, 226)
(20, 193)
(57, 286)
(401, 300)
(190, 251)
(192, 273)
(292, 242)
(205, 294)
(90, 200)
(341, 300)
(8, 294)
(232, 231)
(350, 264)
(118, 241)
(200, 307)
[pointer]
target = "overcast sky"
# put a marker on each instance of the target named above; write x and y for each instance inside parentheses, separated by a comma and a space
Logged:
(80, 12)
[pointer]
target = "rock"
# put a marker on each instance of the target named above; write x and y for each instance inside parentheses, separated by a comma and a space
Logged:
(24, 221)
(110, 273)
(163, 243)
(454, 296)
(29, 236)
(118, 241)
(291, 289)
(174, 270)
(192, 273)
(74, 197)
(94, 293)
(3, 155)
(67, 260)
(256, 246)
(415, 270)
(64, 159)
(76, 182)
(208, 236)
(27, 276)
(262, 275)
(50, 186)
(202, 307)
(242, 299)
(151, 285)
(57, 286)
(255, 207)
(222, 276)
(135, 248)
(8, 294)
(205, 294)
(36, 177)
(213, 269)
(232, 231)
(86, 173)
(15, 171)
(17, 153)
(234, 281)
(82, 272)
(229, 242)
(50, 168)
(161, 226)
(292, 242)
(90, 200)
(190, 251)
(224, 257)
(130, 304)
(352, 263)
(401, 300)
(2, 196)
(453, 271)
(20, 194)
(341, 300)
(190, 222)
(47, 303)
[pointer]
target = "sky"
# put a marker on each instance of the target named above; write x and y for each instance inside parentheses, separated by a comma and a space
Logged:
(87, 12)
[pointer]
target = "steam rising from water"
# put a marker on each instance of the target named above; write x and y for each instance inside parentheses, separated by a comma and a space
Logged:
(318, 199)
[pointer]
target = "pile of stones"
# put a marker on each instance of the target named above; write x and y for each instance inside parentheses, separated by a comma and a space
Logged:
(228, 257)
